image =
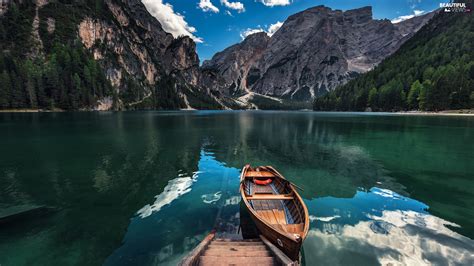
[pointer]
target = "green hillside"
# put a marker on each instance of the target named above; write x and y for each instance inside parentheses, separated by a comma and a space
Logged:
(432, 71)
(61, 74)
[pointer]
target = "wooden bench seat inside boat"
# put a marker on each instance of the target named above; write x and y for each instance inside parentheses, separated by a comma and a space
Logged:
(270, 197)
(259, 174)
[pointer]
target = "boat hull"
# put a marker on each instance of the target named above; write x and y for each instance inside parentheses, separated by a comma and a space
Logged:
(290, 247)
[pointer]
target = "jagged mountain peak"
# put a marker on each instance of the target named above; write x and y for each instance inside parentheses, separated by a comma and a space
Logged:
(313, 52)
(256, 37)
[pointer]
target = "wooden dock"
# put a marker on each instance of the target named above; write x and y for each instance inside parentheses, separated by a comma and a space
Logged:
(239, 252)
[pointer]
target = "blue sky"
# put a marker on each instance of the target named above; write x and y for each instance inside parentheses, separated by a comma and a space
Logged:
(217, 24)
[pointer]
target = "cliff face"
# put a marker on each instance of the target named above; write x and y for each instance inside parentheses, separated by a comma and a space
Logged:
(146, 66)
(234, 63)
(313, 52)
(133, 45)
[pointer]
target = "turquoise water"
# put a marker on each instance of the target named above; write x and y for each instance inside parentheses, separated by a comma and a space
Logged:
(143, 188)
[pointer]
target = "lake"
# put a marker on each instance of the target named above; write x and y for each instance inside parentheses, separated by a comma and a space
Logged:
(144, 188)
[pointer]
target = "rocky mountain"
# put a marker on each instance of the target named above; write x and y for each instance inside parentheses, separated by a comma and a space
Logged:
(133, 45)
(312, 53)
(144, 65)
(234, 63)
(432, 71)
(113, 54)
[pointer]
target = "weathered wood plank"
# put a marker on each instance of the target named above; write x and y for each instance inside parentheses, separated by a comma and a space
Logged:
(193, 257)
(217, 240)
(280, 216)
(236, 248)
(278, 254)
(236, 243)
(240, 253)
(270, 197)
(237, 261)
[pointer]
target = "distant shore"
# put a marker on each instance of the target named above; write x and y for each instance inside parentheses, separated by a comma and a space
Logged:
(461, 112)
(30, 111)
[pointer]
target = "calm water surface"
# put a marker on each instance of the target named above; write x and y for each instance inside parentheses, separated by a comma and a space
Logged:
(143, 188)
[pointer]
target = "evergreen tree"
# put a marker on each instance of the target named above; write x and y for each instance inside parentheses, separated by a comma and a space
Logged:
(43, 101)
(67, 76)
(5, 90)
(439, 96)
(75, 92)
(29, 77)
(373, 98)
(472, 99)
(18, 99)
(413, 95)
(424, 101)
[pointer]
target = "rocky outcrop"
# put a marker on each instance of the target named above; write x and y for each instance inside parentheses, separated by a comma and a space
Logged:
(146, 66)
(313, 52)
(135, 46)
(234, 63)
(37, 43)
(4, 6)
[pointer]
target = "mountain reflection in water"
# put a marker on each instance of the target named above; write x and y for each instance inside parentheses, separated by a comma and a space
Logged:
(146, 187)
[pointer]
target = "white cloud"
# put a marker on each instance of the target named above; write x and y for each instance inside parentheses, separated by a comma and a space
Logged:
(402, 18)
(418, 12)
(171, 21)
(249, 31)
(270, 30)
(228, 13)
(207, 6)
(405, 17)
(233, 5)
(273, 28)
(275, 2)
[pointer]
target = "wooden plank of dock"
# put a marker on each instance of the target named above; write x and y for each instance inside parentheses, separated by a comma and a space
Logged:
(240, 252)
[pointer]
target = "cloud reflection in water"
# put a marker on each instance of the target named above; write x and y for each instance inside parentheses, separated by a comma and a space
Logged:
(175, 188)
(387, 229)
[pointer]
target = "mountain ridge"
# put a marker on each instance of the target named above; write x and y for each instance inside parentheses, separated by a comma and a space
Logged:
(123, 59)
(316, 50)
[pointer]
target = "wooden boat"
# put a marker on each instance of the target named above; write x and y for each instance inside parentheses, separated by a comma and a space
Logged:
(276, 208)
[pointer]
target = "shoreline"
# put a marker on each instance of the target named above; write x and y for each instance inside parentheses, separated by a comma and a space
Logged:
(461, 112)
(32, 111)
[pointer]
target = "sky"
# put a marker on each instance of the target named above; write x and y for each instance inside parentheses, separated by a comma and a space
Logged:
(216, 24)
